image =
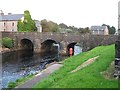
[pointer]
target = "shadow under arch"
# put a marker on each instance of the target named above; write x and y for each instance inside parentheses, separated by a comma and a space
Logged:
(48, 47)
(27, 44)
(71, 45)
(27, 48)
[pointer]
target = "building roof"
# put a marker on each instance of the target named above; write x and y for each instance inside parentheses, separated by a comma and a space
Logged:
(11, 17)
(94, 28)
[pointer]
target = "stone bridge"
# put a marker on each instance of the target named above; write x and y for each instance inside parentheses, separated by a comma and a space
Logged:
(37, 41)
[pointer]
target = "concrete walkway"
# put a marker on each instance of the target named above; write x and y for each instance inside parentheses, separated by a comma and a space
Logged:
(39, 76)
(86, 63)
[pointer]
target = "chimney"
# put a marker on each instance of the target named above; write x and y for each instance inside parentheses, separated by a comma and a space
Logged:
(9, 13)
(1, 12)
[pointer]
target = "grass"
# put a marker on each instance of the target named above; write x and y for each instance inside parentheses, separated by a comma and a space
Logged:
(20, 81)
(88, 77)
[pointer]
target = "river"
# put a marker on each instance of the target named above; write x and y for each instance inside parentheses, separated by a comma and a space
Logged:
(21, 63)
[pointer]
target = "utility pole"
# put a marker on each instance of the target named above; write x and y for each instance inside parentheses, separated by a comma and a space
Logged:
(117, 48)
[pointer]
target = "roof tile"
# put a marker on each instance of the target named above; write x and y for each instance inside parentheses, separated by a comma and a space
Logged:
(11, 17)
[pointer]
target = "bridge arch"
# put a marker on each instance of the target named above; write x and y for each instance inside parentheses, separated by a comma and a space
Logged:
(49, 40)
(26, 44)
(70, 45)
(49, 47)
(76, 47)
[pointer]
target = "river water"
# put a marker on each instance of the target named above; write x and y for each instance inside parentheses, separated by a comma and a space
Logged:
(21, 63)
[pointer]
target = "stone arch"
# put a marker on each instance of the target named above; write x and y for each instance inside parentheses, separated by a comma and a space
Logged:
(48, 39)
(27, 48)
(49, 47)
(26, 44)
(70, 45)
(76, 46)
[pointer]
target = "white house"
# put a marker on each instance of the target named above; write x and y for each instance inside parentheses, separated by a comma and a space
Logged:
(99, 30)
(38, 25)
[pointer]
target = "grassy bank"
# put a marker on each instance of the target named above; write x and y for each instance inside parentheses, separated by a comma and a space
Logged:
(20, 81)
(87, 77)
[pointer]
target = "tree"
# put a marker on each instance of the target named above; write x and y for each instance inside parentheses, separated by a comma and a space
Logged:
(62, 25)
(84, 30)
(27, 25)
(44, 25)
(73, 28)
(112, 30)
(20, 26)
(49, 26)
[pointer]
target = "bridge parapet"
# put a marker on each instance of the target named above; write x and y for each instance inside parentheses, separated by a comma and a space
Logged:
(87, 41)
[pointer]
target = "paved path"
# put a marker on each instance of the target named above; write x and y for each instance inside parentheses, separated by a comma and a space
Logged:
(40, 76)
(86, 63)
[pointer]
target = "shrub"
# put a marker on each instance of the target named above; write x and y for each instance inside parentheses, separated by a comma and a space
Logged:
(11, 85)
(7, 42)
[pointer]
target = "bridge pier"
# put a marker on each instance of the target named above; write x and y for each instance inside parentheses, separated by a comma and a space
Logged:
(37, 46)
(63, 48)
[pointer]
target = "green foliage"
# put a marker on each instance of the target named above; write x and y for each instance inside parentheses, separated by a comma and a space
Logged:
(7, 42)
(62, 25)
(11, 85)
(27, 25)
(88, 77)
(20, 26)
(84, 30)
(49, 26)
(72, 29)
(112, 29)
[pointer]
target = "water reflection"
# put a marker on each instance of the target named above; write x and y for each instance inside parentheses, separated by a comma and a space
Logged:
(18, 64)
(21, 63)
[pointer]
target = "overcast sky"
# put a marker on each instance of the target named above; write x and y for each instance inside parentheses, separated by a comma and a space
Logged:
(80, 13)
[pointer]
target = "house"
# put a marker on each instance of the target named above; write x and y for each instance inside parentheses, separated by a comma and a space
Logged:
(99, 30)
(38, 25)
(9, 22)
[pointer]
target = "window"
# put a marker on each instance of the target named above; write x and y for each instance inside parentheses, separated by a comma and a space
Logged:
(12, 29)
(98, 31)
(13, 24)
(4, 24)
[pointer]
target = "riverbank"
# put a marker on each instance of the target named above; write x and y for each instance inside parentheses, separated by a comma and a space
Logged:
(30, 80)
(21, 63)
(6, 50)
(40, 76)
(92, 74)
(89, 76)
(3, 50)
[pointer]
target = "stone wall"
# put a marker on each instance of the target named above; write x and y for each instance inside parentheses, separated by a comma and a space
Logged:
(98, 40)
